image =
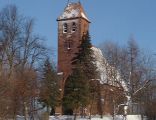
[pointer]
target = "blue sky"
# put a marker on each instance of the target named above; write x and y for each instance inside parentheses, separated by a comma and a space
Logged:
(115, 20)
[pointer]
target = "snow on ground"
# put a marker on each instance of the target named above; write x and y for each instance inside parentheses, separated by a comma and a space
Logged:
(119, 117)
(65, 117)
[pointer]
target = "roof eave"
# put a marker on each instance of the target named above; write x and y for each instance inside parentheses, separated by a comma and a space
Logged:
(64, 19)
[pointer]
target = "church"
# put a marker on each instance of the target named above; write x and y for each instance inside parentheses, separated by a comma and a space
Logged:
(73, 23)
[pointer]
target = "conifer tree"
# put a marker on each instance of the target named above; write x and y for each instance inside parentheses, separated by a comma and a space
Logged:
(85, 59)
(77, 87)
(49, 95)
(76, 92)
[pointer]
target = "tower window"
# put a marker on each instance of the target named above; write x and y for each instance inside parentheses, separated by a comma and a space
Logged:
(73, 27)
(65, 28)
(68, 44)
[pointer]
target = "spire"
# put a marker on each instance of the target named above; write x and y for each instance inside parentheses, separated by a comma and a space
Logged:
(79, 2)
(68, 2)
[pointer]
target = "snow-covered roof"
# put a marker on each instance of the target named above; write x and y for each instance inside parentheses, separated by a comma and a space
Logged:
(73, 10)
(108, 74)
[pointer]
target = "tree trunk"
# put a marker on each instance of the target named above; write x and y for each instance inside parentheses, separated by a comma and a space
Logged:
(26, 111)
(91, 105)
(75, 115)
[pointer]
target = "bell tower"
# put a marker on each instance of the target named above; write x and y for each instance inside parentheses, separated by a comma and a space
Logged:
(72, 25)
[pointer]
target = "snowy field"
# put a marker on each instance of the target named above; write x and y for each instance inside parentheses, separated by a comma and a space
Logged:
(119, 117)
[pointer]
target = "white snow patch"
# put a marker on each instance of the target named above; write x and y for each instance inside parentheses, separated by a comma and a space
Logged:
(97, 117)
(73, 10)
(117, 117)
(84, 16)
(108, 74)
(70, 14)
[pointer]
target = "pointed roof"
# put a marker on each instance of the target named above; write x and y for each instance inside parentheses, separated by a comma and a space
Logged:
(73, 10)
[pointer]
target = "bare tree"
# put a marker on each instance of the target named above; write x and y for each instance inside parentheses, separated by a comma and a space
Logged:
(133, 67)
(21, 51)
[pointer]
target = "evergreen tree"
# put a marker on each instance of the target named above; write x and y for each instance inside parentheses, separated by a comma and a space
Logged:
(76, 92)
(49, 95)
(77, 87)
(85, 58)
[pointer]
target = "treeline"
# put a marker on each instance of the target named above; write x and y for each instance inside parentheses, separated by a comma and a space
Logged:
(27, 76)
(137, 68)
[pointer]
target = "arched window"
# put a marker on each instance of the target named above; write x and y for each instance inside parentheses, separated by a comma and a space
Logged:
(68, 44)
(65, 28)
(73, 27)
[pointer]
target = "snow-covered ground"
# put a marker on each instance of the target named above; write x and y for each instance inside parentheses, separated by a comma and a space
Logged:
(119, 117)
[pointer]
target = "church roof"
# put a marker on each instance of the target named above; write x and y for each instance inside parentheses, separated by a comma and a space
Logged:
(106, 71)
(73, 10)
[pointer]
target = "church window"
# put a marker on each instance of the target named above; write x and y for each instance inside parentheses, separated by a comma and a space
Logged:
(68, 44)
(73, 27)
(65, 28)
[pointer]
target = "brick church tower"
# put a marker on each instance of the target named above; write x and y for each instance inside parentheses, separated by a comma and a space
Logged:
(72, 25)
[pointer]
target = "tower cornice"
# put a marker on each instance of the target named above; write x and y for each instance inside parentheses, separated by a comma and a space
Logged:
(72, 19)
